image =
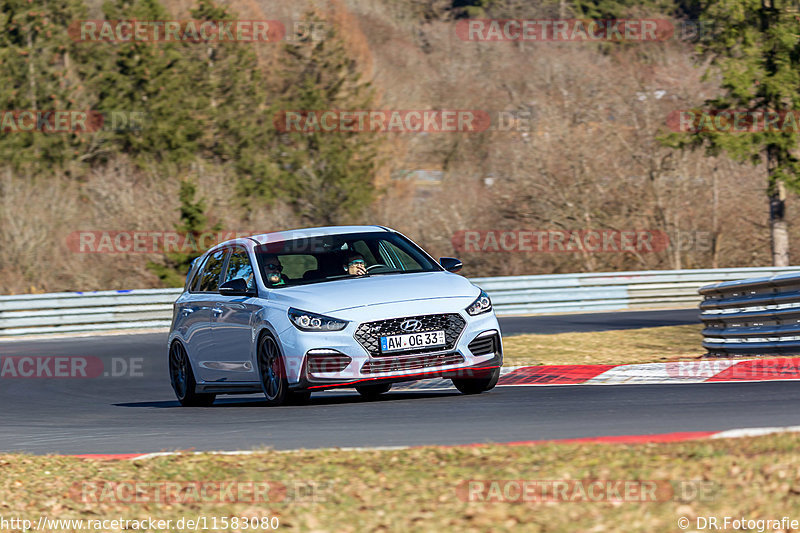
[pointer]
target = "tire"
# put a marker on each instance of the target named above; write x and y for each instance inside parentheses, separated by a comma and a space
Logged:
(182, 378)
(371, 392)
(272, 371)
(477, 385)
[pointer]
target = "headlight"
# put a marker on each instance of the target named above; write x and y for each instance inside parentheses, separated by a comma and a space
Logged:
(482, 305)
(305, 321)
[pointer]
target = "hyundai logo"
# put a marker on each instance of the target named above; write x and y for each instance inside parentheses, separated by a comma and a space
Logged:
(410, 326)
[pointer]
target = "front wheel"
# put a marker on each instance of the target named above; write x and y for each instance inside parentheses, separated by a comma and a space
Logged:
(273, 372)
(477, 385)
(182, 379)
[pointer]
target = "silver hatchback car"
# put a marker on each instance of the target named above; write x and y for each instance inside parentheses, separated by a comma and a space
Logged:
(294, 312)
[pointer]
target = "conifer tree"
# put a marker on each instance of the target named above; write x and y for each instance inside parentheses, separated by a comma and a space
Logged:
(327, 176)
(755, 50)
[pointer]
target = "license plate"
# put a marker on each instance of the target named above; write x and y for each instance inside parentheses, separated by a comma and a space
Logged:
(409, 341)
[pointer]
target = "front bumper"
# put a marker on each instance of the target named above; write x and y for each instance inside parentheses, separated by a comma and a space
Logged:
(476, 371)
(474, 352)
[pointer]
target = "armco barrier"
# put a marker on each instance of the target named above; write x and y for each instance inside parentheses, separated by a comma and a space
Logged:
(608, 291)
(755, 316)
(86, 311)
(152, 308)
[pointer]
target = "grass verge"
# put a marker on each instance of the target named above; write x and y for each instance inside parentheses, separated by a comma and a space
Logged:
(421, 489)
(648, 345)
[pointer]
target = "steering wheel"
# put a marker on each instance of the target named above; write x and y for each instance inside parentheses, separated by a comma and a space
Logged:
(376, 265)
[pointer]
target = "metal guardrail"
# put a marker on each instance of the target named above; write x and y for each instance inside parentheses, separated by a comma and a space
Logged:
(608, 291)
(152, 308)
(755, 316)
(86, 311)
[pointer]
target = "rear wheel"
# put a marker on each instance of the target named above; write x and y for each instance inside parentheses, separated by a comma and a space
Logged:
(272, 371)
(477, 385)
(182, 379)
(373, 391)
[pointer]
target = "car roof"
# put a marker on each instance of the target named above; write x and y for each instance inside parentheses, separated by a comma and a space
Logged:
(279, 236)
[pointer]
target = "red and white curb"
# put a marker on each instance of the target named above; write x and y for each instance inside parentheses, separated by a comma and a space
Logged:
(699, 371)
(609, 439)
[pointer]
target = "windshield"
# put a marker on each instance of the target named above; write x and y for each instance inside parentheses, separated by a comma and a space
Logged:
(335, 257)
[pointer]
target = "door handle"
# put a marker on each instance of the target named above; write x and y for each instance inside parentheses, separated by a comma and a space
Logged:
(187, 311)
(216, 311)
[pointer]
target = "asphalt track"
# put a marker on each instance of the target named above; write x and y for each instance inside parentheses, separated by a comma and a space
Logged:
(138, 413)
(597, 321)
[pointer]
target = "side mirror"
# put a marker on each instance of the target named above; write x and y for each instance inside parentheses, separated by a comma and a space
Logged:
(235, 287)
(451, 264)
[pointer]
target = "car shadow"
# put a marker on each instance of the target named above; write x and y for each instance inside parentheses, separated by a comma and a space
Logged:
(337, 398)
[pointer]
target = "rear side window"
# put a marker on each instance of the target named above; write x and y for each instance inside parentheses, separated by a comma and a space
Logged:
(209, 278)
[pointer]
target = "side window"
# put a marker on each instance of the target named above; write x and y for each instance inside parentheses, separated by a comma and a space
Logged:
(295, 265)
(239, 266)
(362, 248)
(209, 278)
(399, 257)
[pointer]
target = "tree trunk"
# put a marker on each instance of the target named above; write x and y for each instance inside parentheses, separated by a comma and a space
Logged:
(777, 222)
(715, 237)
(31, 73)
(676, 248)
(779, 232)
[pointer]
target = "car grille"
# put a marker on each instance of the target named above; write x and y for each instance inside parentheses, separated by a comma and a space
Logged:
(411, 362)
(484, 345)
(369, 334)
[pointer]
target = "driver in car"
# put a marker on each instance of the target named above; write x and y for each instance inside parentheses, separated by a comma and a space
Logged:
(355, 265)
(272, 270)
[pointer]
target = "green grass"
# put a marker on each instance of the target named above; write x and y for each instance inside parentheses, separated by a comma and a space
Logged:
(649, 345)
(418, 489)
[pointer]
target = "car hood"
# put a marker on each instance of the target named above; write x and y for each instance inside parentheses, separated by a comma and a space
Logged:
(340, 295)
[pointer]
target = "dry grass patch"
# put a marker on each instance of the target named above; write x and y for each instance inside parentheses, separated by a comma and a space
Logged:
(647, 345)
(418, 489)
